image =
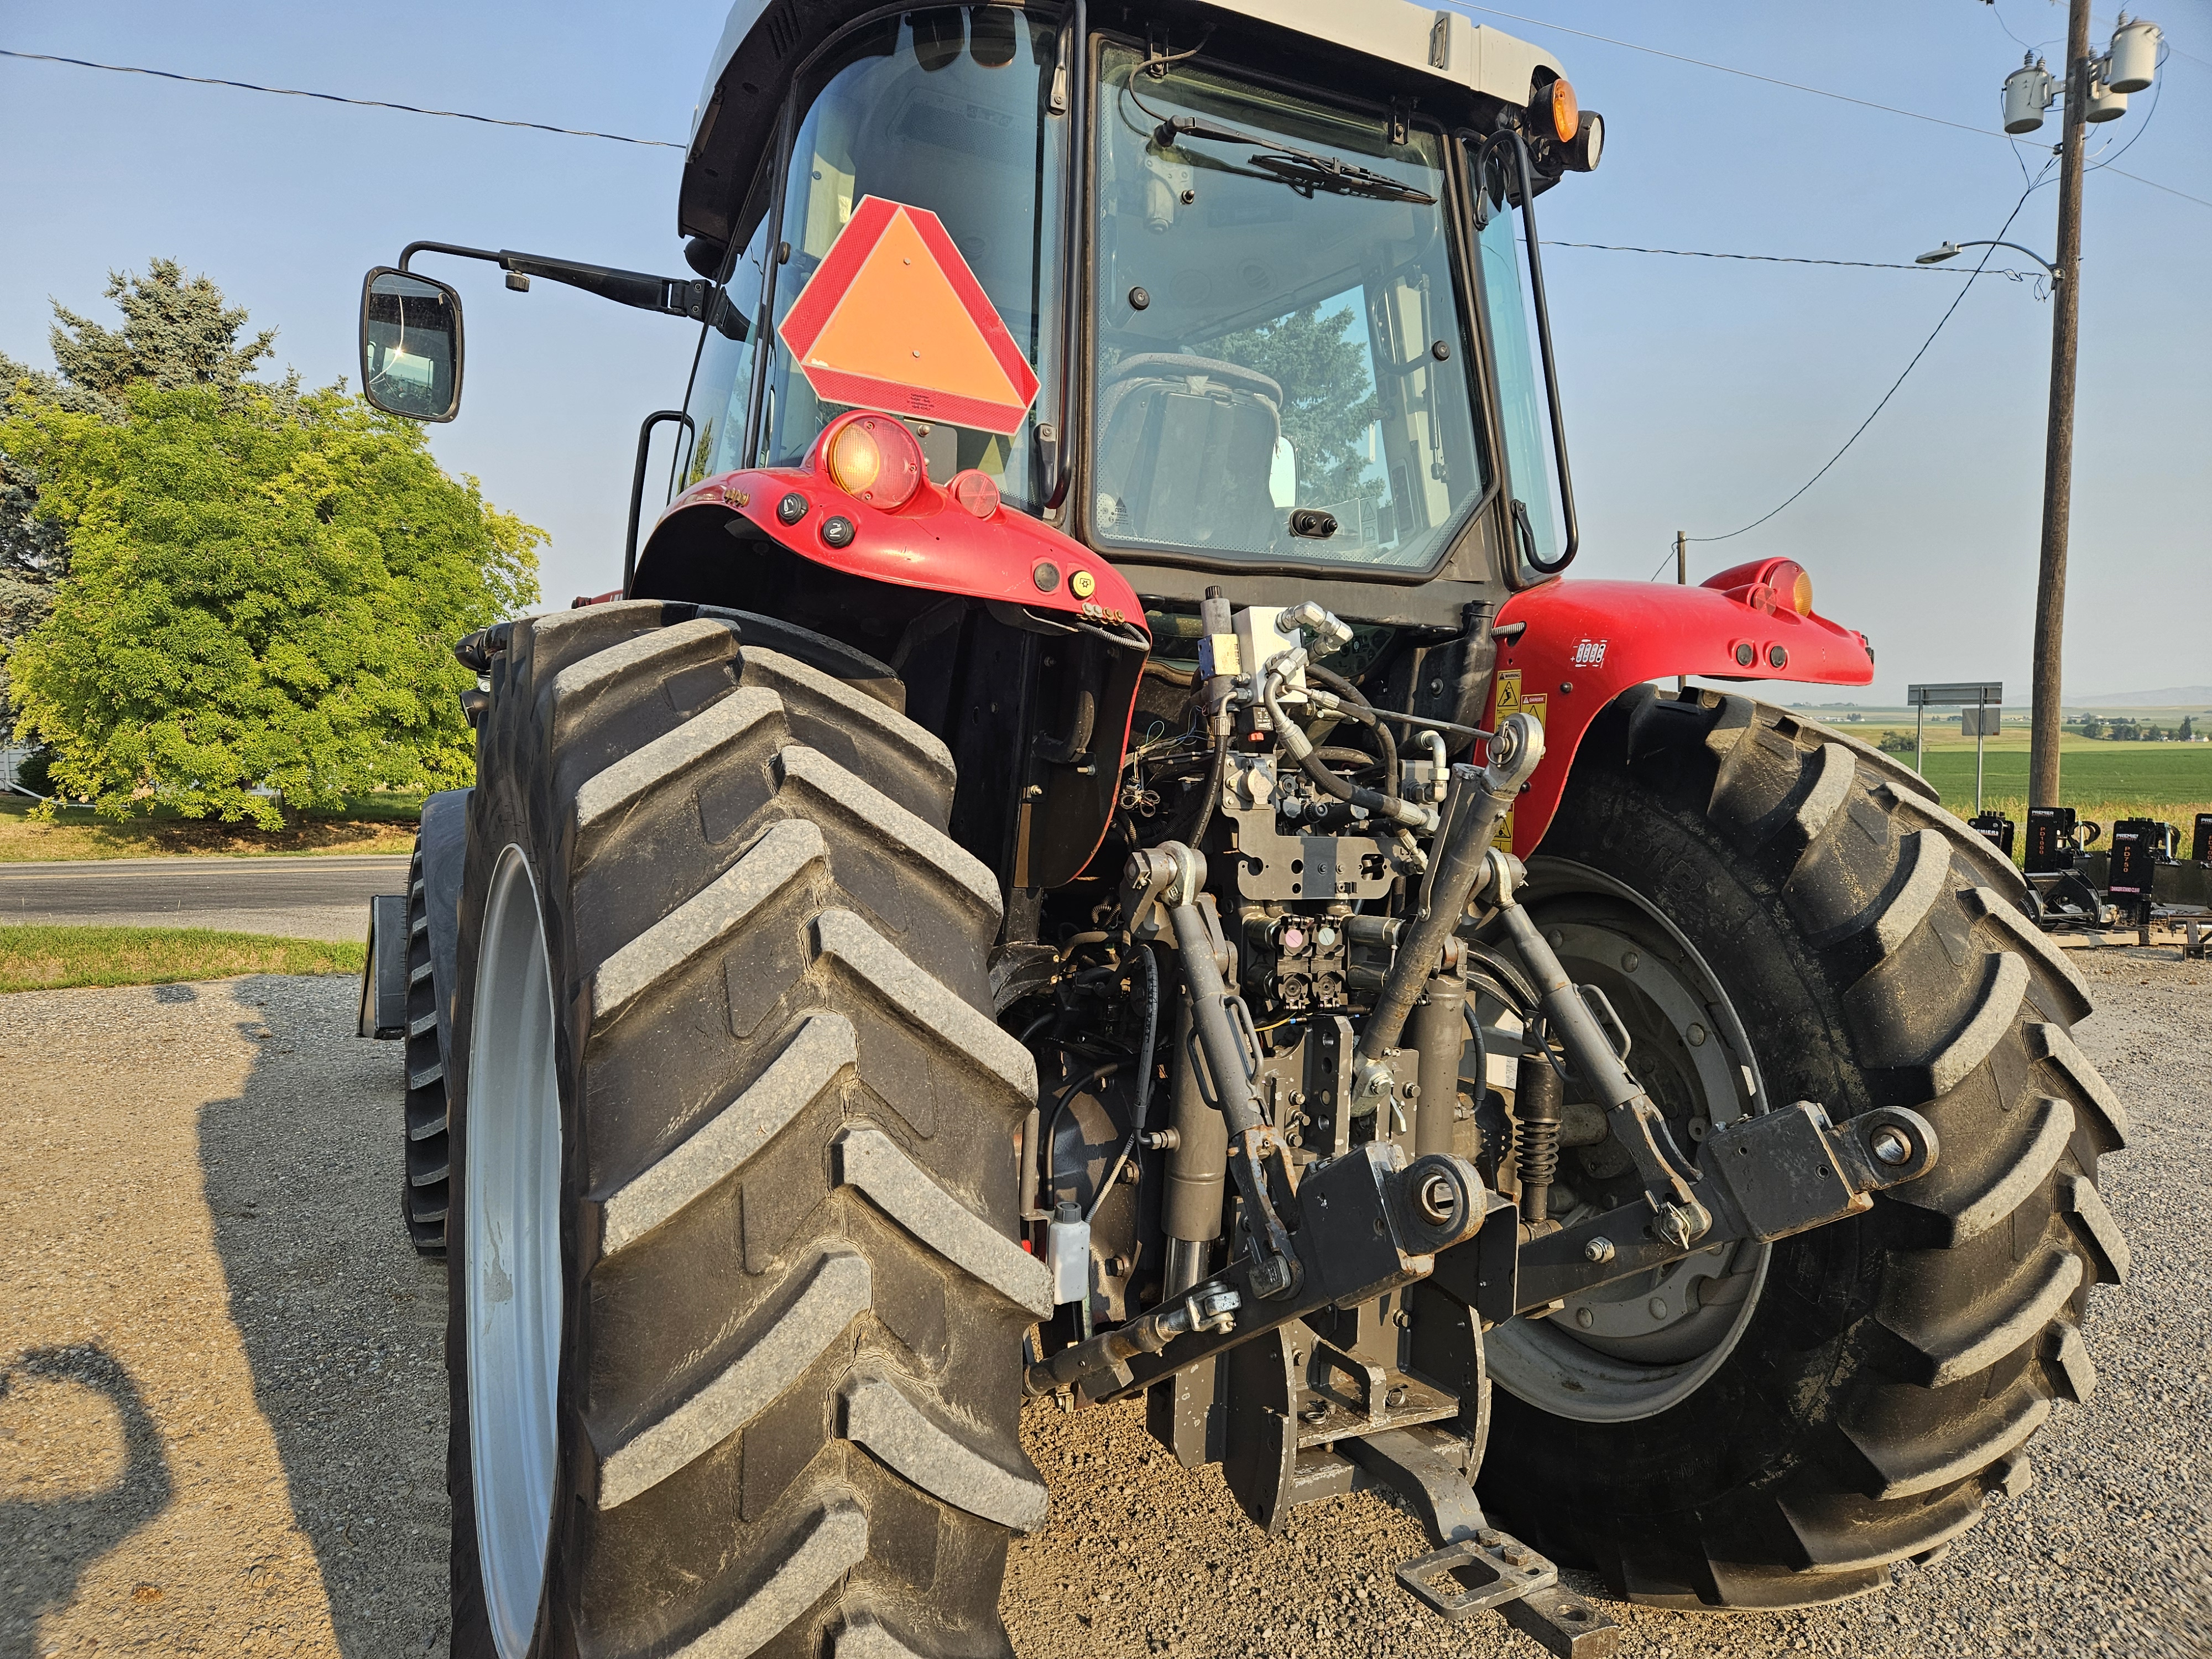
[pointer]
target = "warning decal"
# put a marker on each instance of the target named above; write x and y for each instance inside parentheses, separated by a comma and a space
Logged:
(894, 320)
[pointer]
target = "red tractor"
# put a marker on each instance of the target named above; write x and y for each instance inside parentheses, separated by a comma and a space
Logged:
(1093, 854)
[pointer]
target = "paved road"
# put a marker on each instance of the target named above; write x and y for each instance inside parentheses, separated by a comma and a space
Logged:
(321, 896)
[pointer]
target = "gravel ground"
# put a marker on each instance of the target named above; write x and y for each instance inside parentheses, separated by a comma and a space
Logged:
(221, 1395)
(221, 1400)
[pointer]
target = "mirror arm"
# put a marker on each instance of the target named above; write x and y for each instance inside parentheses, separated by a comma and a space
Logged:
(673, 296)
(1520, 146)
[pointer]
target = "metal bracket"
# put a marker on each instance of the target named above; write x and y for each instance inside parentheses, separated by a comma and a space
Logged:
(1366, 1225)
(1470, 1575)
(1764, 1177)
(1477, 1565)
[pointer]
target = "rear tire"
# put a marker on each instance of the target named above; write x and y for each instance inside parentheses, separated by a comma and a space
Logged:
(786, 1293)
(423, 1174)
(1895, 1365)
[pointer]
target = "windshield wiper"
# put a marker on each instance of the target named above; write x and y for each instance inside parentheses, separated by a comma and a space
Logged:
(1303, 170)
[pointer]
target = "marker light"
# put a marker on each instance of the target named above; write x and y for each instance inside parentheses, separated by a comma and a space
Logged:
(976, 491)
(873, 458)
(1792, 586)
(1566, 114)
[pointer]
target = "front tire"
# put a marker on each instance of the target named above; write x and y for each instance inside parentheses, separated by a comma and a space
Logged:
(734, 1347)
(1891, 1368)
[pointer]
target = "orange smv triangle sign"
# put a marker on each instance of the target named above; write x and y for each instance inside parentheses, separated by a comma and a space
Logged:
(894, 320)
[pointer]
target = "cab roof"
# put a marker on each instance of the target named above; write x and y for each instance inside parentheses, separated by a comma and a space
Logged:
(764, 41)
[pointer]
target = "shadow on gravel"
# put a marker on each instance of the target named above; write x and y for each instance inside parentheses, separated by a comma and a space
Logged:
(343, 1323)
(46, 1543)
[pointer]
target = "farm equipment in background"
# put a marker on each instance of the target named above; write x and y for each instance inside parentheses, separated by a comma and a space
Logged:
(1093, 856)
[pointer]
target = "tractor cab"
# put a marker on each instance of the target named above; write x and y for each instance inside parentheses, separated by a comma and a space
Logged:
(1278, 324)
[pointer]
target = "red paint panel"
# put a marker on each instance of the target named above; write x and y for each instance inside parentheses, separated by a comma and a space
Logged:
(1587, 641)
(931, 543)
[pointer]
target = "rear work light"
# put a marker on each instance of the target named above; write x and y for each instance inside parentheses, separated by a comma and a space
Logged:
(873, 458)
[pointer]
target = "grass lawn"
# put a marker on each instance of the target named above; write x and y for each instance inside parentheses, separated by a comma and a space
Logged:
(2102, 781)
(372, 823)
(34, 958)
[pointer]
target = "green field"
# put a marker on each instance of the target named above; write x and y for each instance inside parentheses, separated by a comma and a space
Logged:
(2101, 779)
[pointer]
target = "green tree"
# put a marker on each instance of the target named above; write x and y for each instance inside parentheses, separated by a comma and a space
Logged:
(1328, 396)
(177, 331)
(263, 591)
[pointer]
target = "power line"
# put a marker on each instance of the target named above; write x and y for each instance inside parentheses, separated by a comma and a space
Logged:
(1954, 305)
(2108, 167)
(1787, 259)
(1724, 68)
(334, 98)
(1792, 86)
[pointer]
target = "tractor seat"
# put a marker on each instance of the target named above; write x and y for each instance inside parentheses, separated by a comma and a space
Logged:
(1186, 450)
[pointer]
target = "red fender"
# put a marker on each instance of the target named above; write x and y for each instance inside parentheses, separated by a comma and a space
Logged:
(1568, 648)
(931, 543)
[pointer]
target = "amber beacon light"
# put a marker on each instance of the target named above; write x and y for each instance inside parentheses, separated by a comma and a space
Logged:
(1566, 113)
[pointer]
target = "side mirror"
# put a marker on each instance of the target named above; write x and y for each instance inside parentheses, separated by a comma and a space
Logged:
(410, 345)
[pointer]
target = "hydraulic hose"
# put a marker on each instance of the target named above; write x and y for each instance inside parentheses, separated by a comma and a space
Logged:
(1209, 794)
(1372, 801)
(1364, 712)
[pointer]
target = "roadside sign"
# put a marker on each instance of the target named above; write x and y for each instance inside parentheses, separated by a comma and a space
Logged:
(1950, 696)
(894, 319)
(1981, 718)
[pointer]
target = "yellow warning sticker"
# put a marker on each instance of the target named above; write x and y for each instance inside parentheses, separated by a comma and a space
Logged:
(1509, 692)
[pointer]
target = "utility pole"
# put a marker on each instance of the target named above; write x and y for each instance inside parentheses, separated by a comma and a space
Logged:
(1681, 579)
(2058, 443)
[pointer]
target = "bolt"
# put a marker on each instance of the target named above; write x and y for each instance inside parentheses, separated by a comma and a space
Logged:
(1517, 1555)
(1658, 1307)
(1630, 961)
(1697, 1035)
(1490, 1538)
(1599, 1250)
(1402, 1320)
(1585, 1318)
(1892, 1146)
(1316, 1412)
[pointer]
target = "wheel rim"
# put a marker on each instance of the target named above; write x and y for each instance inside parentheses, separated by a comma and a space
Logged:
(1641, 1345)
(511, 1183)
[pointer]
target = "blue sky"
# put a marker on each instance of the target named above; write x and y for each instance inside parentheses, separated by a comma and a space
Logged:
(1698, 393)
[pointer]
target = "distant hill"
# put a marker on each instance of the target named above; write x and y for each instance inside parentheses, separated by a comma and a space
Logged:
(2173, 697)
